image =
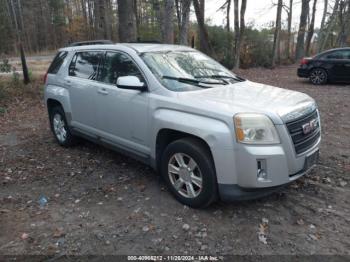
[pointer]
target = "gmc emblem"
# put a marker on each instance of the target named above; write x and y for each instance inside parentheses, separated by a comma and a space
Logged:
(310, 126)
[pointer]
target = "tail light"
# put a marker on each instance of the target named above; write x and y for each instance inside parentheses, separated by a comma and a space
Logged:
(304, 61)
(45, 78)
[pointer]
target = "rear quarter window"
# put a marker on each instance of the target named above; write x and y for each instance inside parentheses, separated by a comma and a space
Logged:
(57, 62)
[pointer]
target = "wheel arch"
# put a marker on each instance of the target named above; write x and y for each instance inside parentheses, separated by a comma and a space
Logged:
(166, 136)
(58, 96)
(51, 103)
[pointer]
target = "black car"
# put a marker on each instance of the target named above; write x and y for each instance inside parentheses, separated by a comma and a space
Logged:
(332, 65)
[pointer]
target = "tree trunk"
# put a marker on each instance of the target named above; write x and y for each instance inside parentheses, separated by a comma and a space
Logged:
(310, 33)
(185, 20)
(168, 35)
(344, 19)
(26, 79)
(324, 14)
(91, 19)
(228, 10)
(204, 44)
(300, 51)
(276, 38)
(127, 21)
(289, 37)
(86, 21)
(107, 19)
(135, 4)
(237, 35)
(101, 23)
(241, 32)
(331, 24)
(178, 8)
(347, 29)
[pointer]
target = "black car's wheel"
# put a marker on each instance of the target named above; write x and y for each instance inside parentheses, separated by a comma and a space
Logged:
(318, 76)
(187, 168)
(60, 127)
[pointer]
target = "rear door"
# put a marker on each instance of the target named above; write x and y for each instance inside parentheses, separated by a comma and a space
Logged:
(81, 82)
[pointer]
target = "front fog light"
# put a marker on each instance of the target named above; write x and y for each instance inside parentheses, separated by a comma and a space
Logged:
(261, 170)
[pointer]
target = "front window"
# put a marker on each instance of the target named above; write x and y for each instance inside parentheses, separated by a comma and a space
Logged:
(187, 70)
(116, 65)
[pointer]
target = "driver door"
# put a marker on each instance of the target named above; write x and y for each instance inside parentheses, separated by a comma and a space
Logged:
(122, 114)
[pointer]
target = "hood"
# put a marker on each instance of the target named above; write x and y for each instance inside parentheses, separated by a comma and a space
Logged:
(250, 97)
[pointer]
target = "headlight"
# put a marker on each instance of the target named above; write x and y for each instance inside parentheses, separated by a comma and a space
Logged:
(255, 129)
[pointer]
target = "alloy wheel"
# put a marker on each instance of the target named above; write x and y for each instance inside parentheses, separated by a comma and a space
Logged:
(59, 127)
(318, 77)
(185, 175)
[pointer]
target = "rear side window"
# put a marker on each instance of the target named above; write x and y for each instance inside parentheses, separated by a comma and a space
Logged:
(57, 62)
(85, 64)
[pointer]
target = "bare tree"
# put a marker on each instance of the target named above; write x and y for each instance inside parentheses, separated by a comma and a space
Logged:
(311, 30)
(324, 13)
(276, 38)
(322, 27)
(332, 21)
(185, 20)
(289, 36)
(237, 35)
(228, 9)
(127, 21)
(239, 29)
(26, 78)
(168, 25)
(344, 22)
(300, 48)
(204, 44)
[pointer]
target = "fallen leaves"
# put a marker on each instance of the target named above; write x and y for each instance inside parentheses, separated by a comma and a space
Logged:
(262, 232)
(58, 232)
(24, 236)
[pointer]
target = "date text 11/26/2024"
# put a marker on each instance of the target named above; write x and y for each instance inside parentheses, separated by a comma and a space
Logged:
(173, 258)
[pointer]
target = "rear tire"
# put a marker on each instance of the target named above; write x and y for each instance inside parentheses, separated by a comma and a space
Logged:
(60, 128)
(188, 170)
(318, 76)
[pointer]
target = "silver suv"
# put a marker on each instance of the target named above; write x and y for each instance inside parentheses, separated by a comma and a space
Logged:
(209, 133)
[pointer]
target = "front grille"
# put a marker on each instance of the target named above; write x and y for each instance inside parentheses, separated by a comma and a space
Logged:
(302, 142)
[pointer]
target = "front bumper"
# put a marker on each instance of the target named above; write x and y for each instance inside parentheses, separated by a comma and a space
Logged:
(230, 193)
(281, 163)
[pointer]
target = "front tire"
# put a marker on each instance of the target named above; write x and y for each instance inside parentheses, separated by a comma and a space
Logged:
(318, 76)
(60, 127)
(188, 170)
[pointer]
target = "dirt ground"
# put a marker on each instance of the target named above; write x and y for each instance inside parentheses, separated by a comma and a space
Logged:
(100, 202)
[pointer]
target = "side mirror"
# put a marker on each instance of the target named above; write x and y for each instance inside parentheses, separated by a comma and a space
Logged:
(131, 82)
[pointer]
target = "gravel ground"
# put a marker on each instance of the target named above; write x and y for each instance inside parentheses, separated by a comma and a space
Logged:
(100, 202)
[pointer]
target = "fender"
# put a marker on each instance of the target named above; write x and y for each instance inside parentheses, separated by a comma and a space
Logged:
(215, 132)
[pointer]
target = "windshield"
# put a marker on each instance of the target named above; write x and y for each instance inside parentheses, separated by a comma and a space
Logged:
(187, 70)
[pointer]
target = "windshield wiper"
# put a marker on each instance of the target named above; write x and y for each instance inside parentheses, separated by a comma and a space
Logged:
(191, 81)
(236, 78)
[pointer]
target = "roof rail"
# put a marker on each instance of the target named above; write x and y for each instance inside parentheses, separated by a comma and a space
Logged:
(139, 41)
(92, 42)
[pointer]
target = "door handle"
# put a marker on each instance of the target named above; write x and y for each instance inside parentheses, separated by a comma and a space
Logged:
(103, 91)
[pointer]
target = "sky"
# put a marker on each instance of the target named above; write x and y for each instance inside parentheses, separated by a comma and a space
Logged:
(260, 12)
